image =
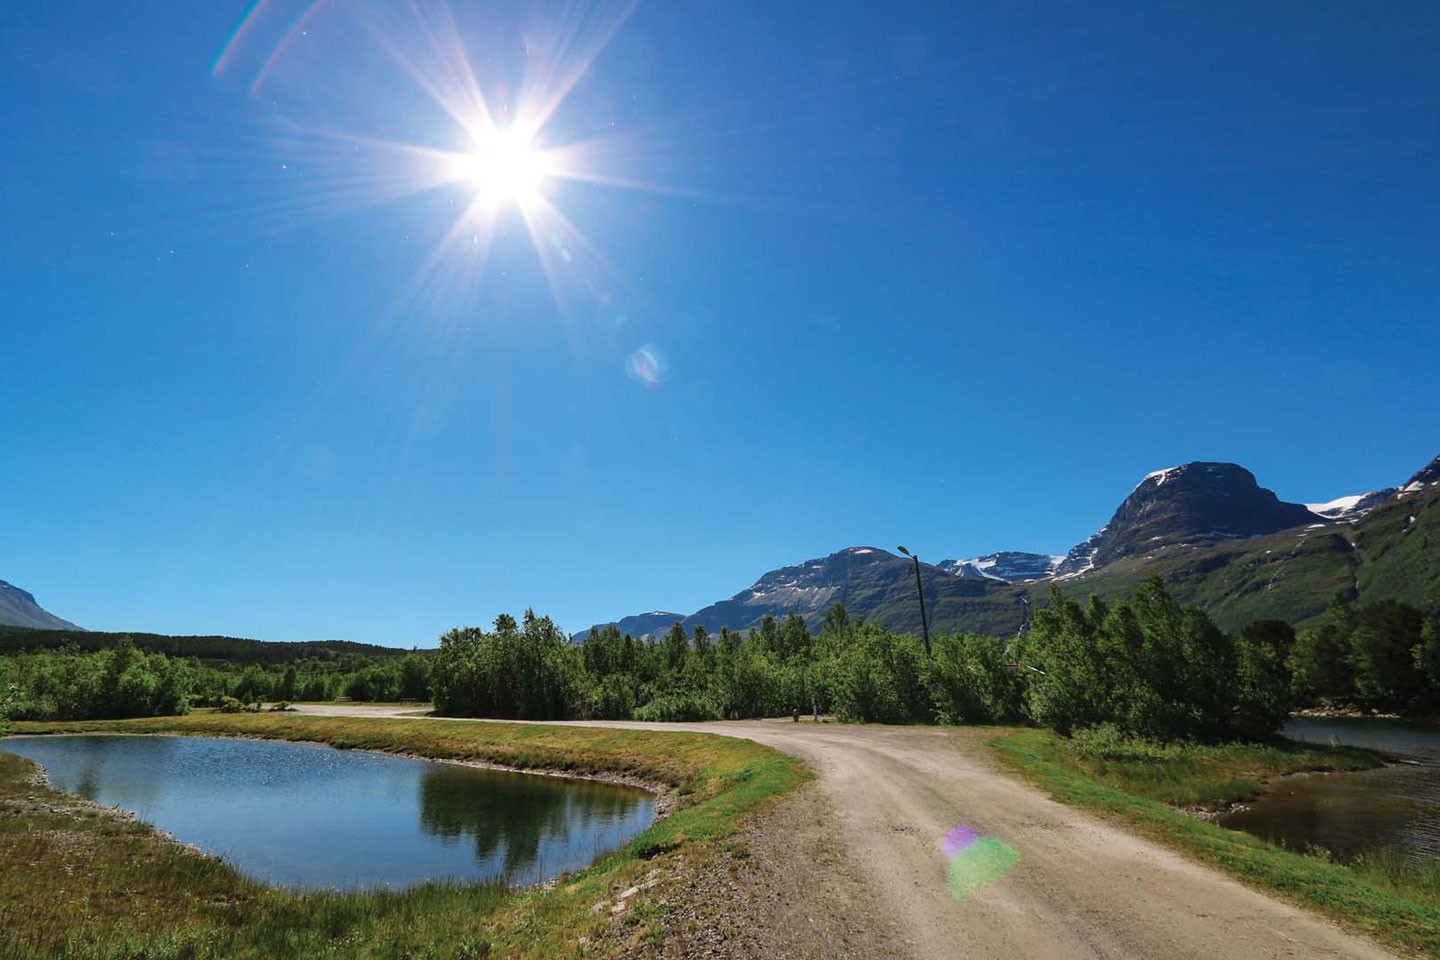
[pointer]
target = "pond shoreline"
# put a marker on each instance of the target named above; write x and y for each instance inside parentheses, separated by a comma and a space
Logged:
(40, 778)
(666, 798)
(85, 852)
(318, 787)
(1217, 814)
(1391, 808)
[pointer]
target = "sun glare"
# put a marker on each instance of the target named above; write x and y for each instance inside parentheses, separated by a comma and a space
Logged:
(500, 155)
(505, 168)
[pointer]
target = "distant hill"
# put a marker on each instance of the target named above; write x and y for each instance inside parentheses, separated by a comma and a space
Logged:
(639, 625)
(1217, 538)
(19, 609)
(234, 649)
(872, 583)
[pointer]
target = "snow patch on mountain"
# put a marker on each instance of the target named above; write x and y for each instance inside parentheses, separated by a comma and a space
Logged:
(1007, 566)
(1159, 476)
(1081, 558)
(1353, 507)
(1427, 477)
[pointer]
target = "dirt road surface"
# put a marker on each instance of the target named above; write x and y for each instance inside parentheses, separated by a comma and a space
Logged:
(1082, 888)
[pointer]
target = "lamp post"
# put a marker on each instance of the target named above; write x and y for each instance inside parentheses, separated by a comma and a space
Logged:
(920, 592)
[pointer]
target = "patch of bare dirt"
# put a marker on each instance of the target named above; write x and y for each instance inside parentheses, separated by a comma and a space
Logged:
(781, 890)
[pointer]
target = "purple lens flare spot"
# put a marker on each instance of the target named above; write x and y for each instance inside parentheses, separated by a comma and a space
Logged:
(975, 862)
(958, 837)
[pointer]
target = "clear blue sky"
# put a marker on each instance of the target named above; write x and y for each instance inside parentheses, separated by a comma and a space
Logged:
(952, 275)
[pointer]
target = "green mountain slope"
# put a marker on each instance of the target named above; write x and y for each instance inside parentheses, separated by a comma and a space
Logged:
(1392, 553)
(1190, 525)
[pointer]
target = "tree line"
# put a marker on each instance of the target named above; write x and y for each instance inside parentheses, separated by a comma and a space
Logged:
(125, 681)
(1147, 666)
(232, 649)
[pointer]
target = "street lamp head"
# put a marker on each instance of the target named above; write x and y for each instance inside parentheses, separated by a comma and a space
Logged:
(903, 550)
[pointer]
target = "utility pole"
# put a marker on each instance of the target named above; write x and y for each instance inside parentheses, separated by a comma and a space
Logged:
(920, 592)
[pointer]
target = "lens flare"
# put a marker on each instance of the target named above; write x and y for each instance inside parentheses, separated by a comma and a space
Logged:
(975, 861)
(647, 366)
(958, 838)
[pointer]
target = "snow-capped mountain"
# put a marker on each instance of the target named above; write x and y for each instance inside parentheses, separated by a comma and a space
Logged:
(1007, 566)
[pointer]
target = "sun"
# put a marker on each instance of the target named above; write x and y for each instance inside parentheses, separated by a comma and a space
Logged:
(505, 167)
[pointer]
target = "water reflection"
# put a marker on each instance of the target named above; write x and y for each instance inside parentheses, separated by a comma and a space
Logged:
(305, 816)
(522, 832)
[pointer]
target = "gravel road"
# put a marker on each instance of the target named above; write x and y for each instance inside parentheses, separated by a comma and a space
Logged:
(1081, 888)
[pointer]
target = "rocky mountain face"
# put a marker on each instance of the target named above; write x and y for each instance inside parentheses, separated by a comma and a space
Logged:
(1193, 502)
(1391, 552)
(1007, 566)
(1427, 477)
(19, 609)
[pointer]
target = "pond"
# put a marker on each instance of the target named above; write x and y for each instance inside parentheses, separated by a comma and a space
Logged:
(312, 817)
(1396, 807)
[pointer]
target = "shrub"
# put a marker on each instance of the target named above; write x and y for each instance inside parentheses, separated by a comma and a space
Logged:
(879, 678)
(970, 682)
(1263, 697)
(748, 683)
(230, 705)
(678, 707)
(1148, 665)
(610, 698)
(1107, 742)
(527, 671)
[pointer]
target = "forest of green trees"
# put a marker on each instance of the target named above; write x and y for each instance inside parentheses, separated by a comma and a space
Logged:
(124, 681)
(1146, 666)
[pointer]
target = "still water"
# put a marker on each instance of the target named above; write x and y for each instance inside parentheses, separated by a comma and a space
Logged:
(310, 817)
(1396, 807)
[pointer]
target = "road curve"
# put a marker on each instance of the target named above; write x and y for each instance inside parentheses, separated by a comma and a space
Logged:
(1082, 888)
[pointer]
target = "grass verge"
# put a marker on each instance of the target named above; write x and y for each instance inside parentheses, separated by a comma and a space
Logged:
(1203, 777)
(80, 882)
(1383, 905)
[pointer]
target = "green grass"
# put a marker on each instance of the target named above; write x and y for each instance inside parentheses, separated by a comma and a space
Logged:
(1202, 777)
(1396, 904)
(81, 883)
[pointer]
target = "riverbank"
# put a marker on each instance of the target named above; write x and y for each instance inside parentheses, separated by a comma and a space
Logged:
(99, 884)
(1149, 794)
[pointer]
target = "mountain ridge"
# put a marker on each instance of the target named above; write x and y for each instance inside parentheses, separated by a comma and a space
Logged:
(1209, 529)
(19, 609)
